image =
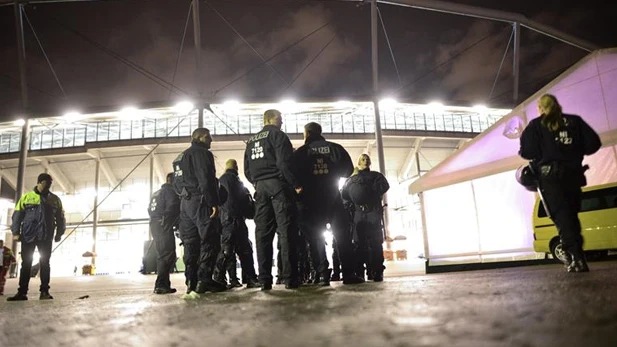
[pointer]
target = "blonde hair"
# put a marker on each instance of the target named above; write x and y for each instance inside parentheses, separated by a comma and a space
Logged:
(553, 116)
(231, 164)
(362, 156)
(269, 115)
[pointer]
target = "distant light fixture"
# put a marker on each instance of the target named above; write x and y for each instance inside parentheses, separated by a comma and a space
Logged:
(435, 106)
(130, 113)
(71, 116)
(231, 105)
(387, 103)
(288, 106)
(19, 122)
(184, 107)
(343, 103)
(480, 108)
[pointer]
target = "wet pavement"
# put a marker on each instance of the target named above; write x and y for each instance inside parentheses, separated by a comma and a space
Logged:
(525, 306)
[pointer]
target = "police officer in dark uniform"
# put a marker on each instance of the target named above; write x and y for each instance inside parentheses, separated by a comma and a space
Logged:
(164, 211)
(266, 166)
(555, 143)
(237, 206)
(320, 164)
(195, 180)
(365, 190)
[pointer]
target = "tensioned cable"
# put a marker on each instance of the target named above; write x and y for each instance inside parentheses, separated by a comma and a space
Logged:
(151, 76)
(51, 67)
(500, 65)
(248, 44)
(272, 57)
(31, 87)
(186, 25)
(535, 80)
(383, 26)
(454, 56)
(310, 63)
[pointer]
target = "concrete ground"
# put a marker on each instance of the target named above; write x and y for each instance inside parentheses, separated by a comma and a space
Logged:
(526, 306)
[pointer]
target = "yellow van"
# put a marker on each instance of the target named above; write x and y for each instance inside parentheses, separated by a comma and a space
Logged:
(598, 218)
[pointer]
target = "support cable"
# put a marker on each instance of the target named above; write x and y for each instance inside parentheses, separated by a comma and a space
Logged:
(272, 57)
(51, 67)
(186, 25)
(383, 26)
(151, 76)
(248, 44)
(501, 64)
(310, 62)
(447, 61)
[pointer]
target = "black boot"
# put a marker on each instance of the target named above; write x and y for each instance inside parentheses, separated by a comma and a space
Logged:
(578, 264)
(325, 278)
(210, 286)
(352, 279)
(253, 282)
(18, 297)
(336, 276)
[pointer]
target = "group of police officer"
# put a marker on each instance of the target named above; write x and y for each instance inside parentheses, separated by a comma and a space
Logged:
(296, 196)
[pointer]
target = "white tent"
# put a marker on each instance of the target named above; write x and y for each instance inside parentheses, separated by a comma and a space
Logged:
(473, 208)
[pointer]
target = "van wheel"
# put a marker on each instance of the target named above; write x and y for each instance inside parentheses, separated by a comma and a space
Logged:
(557, 251)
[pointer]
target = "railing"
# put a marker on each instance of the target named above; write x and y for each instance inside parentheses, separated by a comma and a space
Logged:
(76, 135)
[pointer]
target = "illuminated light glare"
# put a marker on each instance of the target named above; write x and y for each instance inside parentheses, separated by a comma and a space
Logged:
(480, 108)
(341, 182)
(288, 106)
(71, 116)
(387, 102)
(343, 103)
(19, 122)
(435, 106)
(231, 105)
(184, 107)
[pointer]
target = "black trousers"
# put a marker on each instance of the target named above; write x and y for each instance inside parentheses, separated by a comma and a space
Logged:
(275, 212)
(27, 253)
(165, 244)
(563, 199)
(368, 236)
(201, 237)
(336, 260)
(342, 232)
(312, 224)
(235, 240)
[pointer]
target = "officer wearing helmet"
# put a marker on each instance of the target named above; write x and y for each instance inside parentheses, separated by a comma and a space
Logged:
(556, 143)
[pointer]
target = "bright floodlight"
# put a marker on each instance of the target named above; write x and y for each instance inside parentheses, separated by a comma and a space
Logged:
(130, 112)
(19, 122)
(480, 108)
(183, 107)
(387, 102)
(288, 106)
(343, 103)
(231, 105)
(435, 106)
(71, 116)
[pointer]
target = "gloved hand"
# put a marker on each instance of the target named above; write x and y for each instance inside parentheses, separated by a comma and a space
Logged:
(58, 238)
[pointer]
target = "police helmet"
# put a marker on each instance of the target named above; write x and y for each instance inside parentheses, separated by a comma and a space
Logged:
(525, 176)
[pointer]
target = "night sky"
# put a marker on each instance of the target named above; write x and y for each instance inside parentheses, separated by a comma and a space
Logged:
(75, 37)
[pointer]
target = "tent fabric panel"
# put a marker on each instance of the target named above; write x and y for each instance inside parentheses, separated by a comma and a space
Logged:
(504, 211)
(451, 220)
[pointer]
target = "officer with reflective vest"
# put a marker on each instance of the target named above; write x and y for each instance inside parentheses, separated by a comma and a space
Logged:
(38, 220)
(164, 211)
(320, 165)
(365, 190)
(267, 166)
(556, 143)
(237, 206)
(195, 181)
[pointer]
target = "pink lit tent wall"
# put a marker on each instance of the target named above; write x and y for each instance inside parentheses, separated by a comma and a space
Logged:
(473, 208)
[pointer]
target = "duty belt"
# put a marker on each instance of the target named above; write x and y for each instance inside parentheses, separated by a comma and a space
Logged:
(367, 208)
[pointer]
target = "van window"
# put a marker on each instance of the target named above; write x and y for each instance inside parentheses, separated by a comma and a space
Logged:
(592, 201)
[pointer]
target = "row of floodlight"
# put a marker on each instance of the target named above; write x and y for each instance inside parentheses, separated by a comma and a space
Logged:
(286, 106)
